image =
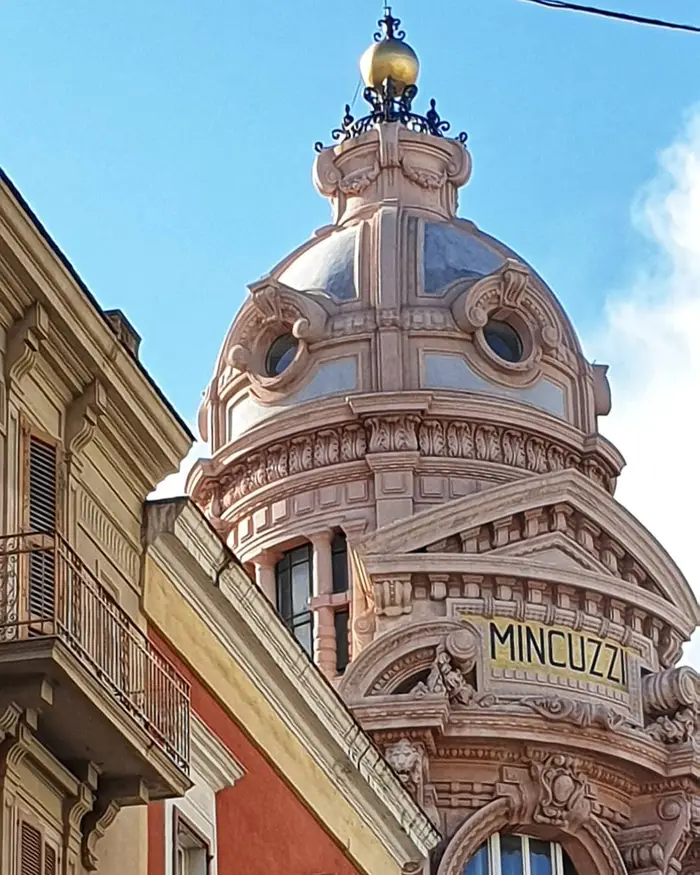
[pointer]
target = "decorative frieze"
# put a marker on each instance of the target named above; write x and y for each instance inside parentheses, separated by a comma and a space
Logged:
(106, 534)
(432, 438)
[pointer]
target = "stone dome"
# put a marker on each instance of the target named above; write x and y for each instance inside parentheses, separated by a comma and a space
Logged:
(399, 327)
(398, 294)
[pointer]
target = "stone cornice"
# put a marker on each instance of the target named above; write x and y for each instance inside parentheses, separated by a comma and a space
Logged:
(246, 624)
(522, 569)
(211, 759)
(508, 451)
(440, 404)
(69, 304)
(562, 486)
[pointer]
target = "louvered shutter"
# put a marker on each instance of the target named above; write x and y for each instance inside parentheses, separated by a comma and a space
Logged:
(30, 842)
(50, 867)
(42, 490)
(42, 486)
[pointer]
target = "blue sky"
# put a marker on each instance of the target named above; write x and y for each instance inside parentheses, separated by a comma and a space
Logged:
(168, 145)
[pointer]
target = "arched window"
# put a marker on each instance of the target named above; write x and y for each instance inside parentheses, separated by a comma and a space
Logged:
(519, 855)
(294, 584)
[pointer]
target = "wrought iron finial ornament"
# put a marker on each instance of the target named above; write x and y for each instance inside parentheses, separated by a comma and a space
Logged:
(389, 27)
(390, 70)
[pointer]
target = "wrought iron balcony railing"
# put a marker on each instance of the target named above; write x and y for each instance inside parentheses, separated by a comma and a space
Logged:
(47, 591)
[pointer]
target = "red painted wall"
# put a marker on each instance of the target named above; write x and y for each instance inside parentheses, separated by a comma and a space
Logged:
(262, 826)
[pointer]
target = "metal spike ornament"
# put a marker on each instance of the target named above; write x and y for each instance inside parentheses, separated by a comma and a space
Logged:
(390, 69)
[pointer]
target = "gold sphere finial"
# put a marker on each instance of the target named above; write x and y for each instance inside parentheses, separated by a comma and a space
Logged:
(389, 57)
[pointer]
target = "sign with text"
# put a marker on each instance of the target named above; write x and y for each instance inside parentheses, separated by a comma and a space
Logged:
(530, 645)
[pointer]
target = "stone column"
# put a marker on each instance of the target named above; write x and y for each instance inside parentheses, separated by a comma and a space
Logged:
(265, 573)
(324, 624)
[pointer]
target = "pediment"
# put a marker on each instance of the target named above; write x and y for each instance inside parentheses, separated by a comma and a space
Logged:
(556, 550)
(564, 504)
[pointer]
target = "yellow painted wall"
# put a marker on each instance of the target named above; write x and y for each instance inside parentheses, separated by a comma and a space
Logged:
(189, 636)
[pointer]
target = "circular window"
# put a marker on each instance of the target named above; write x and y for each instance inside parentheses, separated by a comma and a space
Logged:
(504, 340)
(280, 355)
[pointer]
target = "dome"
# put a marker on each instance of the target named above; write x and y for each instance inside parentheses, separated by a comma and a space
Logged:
(401, 312)
(448, 251)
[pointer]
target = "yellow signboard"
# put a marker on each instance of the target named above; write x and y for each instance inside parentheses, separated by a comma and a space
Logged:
(513, 645)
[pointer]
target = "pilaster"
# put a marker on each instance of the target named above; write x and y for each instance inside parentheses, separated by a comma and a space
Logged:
(394, 484)
(324, 626)
(265, 563)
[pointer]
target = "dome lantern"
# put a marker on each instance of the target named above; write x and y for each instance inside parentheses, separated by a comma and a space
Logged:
(389, 69)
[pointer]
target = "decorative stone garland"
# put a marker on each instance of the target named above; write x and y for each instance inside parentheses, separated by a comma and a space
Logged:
(435, 438)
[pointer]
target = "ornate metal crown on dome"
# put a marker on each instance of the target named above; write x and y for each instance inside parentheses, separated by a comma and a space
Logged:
(389, 68)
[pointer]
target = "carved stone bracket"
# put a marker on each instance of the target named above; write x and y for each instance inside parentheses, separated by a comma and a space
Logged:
(658, 846)
(19, 726)
(672, 700)
(83, 416)
(24, 341)
(393, 596)
(112, 795)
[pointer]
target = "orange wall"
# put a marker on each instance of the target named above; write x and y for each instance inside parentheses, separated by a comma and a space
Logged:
(262, 826)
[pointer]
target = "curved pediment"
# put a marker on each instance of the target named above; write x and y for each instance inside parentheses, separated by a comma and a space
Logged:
(390, 661)
(564, 502)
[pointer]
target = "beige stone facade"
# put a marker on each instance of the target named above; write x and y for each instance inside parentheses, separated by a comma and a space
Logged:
(405, 395)
(94, 721)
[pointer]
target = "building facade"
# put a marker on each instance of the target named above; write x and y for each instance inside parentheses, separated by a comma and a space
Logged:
(156, 717)
(95, 721)
(405, 391)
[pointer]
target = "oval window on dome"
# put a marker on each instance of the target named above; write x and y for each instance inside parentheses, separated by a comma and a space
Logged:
(280, 355)
(514, 855)
(503, 340)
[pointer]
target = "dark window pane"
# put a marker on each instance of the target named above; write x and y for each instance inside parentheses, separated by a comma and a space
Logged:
(303, 632)
(511, 855)
(479, 863)
(540, 857)
(284, 589)
(300, 555)
(280, 355)
(504, 340)
(339, 557)
(342, 655)
(301, 586)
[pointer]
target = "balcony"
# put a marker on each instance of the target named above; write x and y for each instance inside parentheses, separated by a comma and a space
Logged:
(111, 698)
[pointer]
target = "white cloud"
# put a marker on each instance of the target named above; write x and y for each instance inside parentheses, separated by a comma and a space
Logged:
(174, 484)
(651, 339)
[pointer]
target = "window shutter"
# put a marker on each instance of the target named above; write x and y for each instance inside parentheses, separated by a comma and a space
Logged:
(30, 850)
(50, 867)
(42, 486)
(41, 497)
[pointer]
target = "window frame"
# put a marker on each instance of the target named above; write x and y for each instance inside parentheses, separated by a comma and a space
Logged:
(295, 619)
(493, 845)
(182, 823)
(340, 668)
(29, 432)
(339, 547)
(40, 562)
